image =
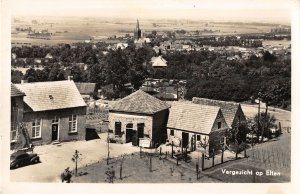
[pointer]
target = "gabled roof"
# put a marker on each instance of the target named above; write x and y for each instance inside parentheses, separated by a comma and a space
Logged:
(42, 96)
(140, 102)
(85, 88)
(229, 109)
(192, 117)
(158, 62)
(14, 91)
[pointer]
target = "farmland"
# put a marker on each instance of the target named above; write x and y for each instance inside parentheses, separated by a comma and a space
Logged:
(69, 30)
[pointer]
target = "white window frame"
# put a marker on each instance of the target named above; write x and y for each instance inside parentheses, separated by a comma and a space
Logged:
(72, 127)
(36, 128)
(13, 133)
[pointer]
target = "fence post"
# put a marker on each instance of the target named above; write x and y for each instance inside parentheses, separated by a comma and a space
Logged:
(172, 149)
(222, 156)
(245, 153)
(185, 155)
(150, 163)
(166, 154)
(279, 128)
(213, 158)
(202, 165)
(177, 161)
(197, 171)
(140, 152)
(160, 151)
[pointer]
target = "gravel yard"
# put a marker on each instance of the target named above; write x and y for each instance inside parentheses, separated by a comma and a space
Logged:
(55, 158)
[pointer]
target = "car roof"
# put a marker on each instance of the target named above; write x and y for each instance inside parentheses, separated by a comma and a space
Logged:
(18, 153)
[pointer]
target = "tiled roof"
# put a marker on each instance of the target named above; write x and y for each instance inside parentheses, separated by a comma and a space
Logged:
(192, 117)
(229, 109)
(41, 96)
(158, 62)
(14, 91)
(85, 88)
(140, 102)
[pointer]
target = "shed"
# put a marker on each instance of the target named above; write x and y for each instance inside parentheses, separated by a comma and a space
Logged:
(139, 115)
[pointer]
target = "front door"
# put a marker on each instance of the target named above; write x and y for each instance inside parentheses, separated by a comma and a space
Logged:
(185, 139)
(54, 132)
(140, 131)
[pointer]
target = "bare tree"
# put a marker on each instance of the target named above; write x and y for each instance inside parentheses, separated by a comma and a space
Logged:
(75, 159)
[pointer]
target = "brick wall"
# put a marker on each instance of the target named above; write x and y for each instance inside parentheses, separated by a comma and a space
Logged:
(126, 118)
(63, 127)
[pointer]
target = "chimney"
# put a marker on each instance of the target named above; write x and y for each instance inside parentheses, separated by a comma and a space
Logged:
(70, 78)
(24, 81)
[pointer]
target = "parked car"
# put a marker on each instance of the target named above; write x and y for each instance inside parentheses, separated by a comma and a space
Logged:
(22, 158)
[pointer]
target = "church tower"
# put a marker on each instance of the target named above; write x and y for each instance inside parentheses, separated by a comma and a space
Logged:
(137, 31)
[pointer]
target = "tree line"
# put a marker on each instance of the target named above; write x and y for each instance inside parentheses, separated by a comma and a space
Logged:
(208, 73)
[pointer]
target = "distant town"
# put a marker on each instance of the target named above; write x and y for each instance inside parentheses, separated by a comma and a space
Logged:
(176, 101)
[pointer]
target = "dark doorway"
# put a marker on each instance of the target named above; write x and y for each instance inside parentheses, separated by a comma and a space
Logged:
(140, 131)
(91, 134)
(134, 138)
(54, 132)
(129, 132)
(185, 139)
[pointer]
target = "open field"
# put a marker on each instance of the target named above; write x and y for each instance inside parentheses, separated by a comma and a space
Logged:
(68, 30)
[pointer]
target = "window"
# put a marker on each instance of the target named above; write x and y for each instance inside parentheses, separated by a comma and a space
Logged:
(13, 132)
(198, 137)
(72, 123)
(219, 125)
(55, 120)
(36, 128)
(118, 127)
(172, 132)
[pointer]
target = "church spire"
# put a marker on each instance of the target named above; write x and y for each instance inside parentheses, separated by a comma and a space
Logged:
(137, 31)
(137, 24)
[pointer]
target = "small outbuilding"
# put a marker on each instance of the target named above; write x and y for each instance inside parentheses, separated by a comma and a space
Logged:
(139, 116)
(196, 126)
(233, 113)
(158, 62)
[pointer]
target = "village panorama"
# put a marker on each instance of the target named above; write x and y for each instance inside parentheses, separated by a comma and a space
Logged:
(102, 100)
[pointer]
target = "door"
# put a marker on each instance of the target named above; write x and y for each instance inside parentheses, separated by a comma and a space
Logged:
(129, 133)
(140, 131)
(54, 132)
(185, 139)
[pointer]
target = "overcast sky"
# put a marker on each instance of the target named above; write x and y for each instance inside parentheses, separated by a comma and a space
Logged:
(238, 10)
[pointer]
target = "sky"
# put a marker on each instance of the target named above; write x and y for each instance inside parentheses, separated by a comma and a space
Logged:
(237, 10)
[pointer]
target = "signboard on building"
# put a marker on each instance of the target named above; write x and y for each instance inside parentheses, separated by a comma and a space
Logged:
(145, 142)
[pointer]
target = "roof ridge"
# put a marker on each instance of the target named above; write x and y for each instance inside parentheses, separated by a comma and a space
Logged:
(213, 100)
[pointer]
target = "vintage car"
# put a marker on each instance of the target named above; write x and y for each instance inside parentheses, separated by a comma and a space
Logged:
(22, 158)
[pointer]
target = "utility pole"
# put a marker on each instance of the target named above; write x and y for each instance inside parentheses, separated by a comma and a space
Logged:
(258, 117)
(107, 161)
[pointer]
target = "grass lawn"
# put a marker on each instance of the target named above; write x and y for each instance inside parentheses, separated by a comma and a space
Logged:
(274, 155)
(137, 170)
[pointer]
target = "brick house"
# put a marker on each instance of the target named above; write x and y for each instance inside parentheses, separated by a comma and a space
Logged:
(53, 111)
(16, 112)
(232, 112)
(139, 115)
(191, 124)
